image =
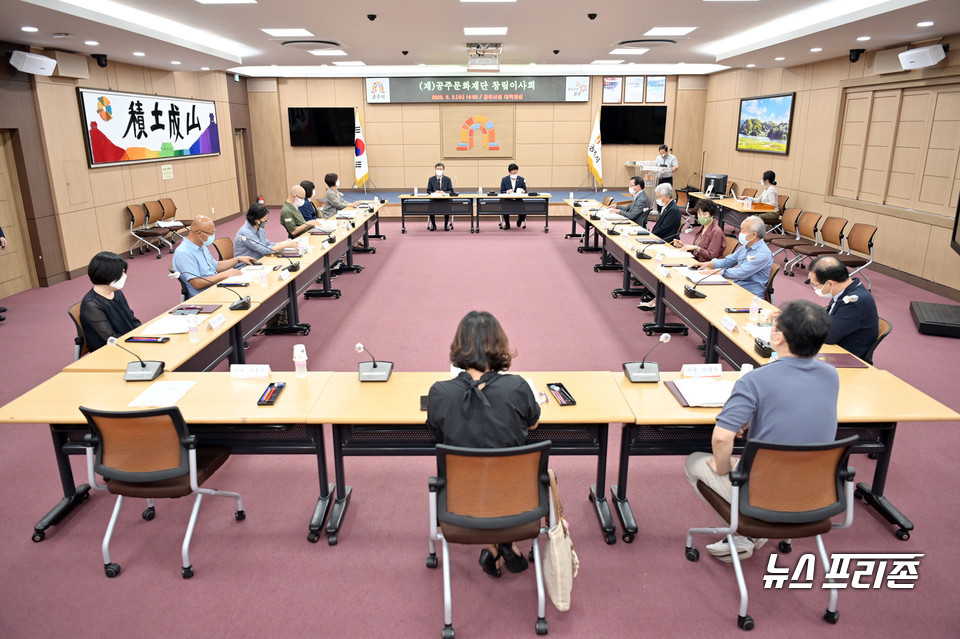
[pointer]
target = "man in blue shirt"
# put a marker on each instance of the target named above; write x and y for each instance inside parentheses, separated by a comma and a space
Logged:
(198, 270)
(749, 265)
(792, 400)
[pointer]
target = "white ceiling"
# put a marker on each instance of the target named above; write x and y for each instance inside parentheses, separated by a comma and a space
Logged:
(228, 37)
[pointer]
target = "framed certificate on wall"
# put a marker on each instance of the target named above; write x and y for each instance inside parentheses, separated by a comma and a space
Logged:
(633, 89)
(657, 88)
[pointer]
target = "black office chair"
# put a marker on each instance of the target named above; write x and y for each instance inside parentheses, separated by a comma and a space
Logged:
(489, 496)
(184, 291)
(783, 491)
(151, 454)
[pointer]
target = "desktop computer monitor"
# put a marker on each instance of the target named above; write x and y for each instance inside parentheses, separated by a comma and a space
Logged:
(715, 183)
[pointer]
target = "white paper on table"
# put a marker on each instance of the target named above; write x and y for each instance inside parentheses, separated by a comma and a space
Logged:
(675, 253)
(540, 397)
(161, 394)
(607, 215)
(699, 278)
(760, 332)
(168, 325)
(169, 224)
(705, 391)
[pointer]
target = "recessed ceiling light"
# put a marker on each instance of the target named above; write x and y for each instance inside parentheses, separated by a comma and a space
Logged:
(925, 23)
(639, 51)
(91, 43)
(204, 68)
(422, 64)
(349, 63)
(750, 66)
(780, 59)
(327, 52)
(607, 62)
(29, 29)
(288, 33)
(816, 50)
(139, 54)
(176, 62)
(863, 38)
(669, 31)
(484, 31)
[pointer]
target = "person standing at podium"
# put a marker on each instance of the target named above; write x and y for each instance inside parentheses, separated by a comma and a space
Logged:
(439, 183)
(667, 163)
(513, 183)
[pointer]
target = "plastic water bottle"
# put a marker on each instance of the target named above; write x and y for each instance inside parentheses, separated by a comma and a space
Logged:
(264, 280)
(300, 360)
(659, 258)
(774, 355)
(192, 332)
(755, 310)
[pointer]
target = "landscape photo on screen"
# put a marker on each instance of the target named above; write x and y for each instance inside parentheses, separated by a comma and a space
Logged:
(764, 124)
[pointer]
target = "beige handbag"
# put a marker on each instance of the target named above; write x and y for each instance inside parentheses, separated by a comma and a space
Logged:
(560, 561)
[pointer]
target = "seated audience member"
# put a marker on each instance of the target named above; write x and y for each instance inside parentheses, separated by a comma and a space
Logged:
(639, 208)
(482, 408)
(251, 238)
(308, 209)
(196, 265)
(513, 182)
(104, 312)
(290, 213)
(439, 183)
(769, 196)
(667, 227)
(792, 400)
(333, 201)
(854, 323)
(749, 265)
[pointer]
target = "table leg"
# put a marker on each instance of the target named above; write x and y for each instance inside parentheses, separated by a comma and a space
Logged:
(350, 266)
(72, 494)
(710, 350)
(343, 491)
(658, 325)
(236, 337)
(873, 495)
(626, 288)
(366, 248)
(607, 263)
(598, 489)
(376, 230)
(546, 223)
(573, 228)
(326, 291)
(618, 492)
(323, 502)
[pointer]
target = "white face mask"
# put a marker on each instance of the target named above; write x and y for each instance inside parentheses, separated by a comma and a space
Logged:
(439, 173)
(820, 292)
(298, 202)
(120, 282)
(338, 184)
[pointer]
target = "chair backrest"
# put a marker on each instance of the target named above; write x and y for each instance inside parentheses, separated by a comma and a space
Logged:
(184, 291)
(793, 483)
(774, 269)
(139, 446)
(318, 204)
(730, 187)
(831, 231)
(748, 192)
(683, 201)
(789, 222)
(883, 330)
(807, 226)
(492, 488)
(169, 208)
(607, 200)
(782, 201)
(138, 216)
(224, 246)
(154, 210)
(860, 238)
(731, 246)
(80, 341)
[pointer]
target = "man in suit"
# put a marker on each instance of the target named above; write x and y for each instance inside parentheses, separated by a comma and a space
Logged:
(667, 227)
(639, 207)
(436, 184)
(854, 323)
(513, 183)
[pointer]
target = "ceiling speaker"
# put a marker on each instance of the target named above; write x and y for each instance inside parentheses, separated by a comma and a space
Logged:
(32, 63)
(922, 57)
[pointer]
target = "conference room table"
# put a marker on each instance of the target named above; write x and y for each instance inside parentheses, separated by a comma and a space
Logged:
(475, 205)
(218, 409)
(870, 405)
(514, 204)
(370, 418)
(731, 210)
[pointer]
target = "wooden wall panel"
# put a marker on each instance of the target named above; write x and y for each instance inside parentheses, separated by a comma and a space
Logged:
(268, 147)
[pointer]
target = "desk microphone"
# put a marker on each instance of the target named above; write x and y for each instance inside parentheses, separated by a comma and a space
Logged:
(293, 267)
(144, 372)
(692, 292)
(319, 231)
(242, 303)
(642, 254)
(373, 371)
(644, 371)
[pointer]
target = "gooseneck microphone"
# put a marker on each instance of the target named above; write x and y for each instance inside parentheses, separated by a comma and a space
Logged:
(642, 254)
(644, 371)
(692, 292)
(243, 301)
(373, 371)
(139, 371)
(293, 267)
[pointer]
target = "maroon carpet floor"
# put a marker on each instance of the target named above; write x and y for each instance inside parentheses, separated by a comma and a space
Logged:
(261, 578)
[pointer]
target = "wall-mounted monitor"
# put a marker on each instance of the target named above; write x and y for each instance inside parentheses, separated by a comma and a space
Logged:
(321, 126)
(633, 124)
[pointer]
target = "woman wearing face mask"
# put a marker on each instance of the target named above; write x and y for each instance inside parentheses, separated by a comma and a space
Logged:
(769, 196)
(710, 241)
(333, 201)
(252, 240)
(104, 312)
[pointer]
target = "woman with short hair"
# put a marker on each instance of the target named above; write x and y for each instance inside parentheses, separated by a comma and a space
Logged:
(104, 312)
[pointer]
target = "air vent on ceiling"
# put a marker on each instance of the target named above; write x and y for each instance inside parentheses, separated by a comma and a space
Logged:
(311, 45)
(645, 43)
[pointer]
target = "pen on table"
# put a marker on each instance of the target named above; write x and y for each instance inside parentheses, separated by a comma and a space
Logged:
(557, 395)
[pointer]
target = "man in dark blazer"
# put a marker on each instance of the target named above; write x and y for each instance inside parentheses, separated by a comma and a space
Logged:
(667, 227)
(639, 207)
(436, 184)
(513, 183)
(854, 323)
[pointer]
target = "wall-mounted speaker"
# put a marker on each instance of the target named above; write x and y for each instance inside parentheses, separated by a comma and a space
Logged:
(922, 57)
(32, 63)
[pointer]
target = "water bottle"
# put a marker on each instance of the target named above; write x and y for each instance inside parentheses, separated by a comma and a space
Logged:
(264, 280)
(300, 360)
(755, 310)
(659, 258)
(192, 331)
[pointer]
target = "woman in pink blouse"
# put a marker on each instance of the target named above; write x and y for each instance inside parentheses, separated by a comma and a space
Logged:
(710, 241)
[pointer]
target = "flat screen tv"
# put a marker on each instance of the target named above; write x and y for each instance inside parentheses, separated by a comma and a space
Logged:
(633, 124)
(321, 126)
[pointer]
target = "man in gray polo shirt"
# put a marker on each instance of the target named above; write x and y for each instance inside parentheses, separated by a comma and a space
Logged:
(792, 400)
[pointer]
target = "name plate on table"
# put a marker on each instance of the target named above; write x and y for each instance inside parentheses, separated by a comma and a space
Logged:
(249, 371)
(701, 370)
(216, 321)
(284, 274)
(730, 324)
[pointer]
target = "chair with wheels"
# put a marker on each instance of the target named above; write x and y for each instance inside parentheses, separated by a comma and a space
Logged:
(170, 212)
(489, 496)
(768, 291)
(80, 341)
(156, 213)
(859, 239)
(831, 242)
(141, 230)
(150, 455)
(883, 330)
(786, 492)
(224, 246)
(807, 229)
(748, 192)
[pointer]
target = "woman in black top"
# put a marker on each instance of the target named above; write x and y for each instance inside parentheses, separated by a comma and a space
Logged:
(482, 408)
(104, 312)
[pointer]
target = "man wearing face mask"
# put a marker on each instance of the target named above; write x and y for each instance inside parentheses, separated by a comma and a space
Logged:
(667, 227)
(290, 215)
(104, 312)
(749, 265)
(853, 312)
(193, 261)
(436, 184)
(639, 207)
(252, 240)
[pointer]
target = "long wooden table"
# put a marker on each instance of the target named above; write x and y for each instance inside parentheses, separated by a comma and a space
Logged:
(463, 204)
(733, 211)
